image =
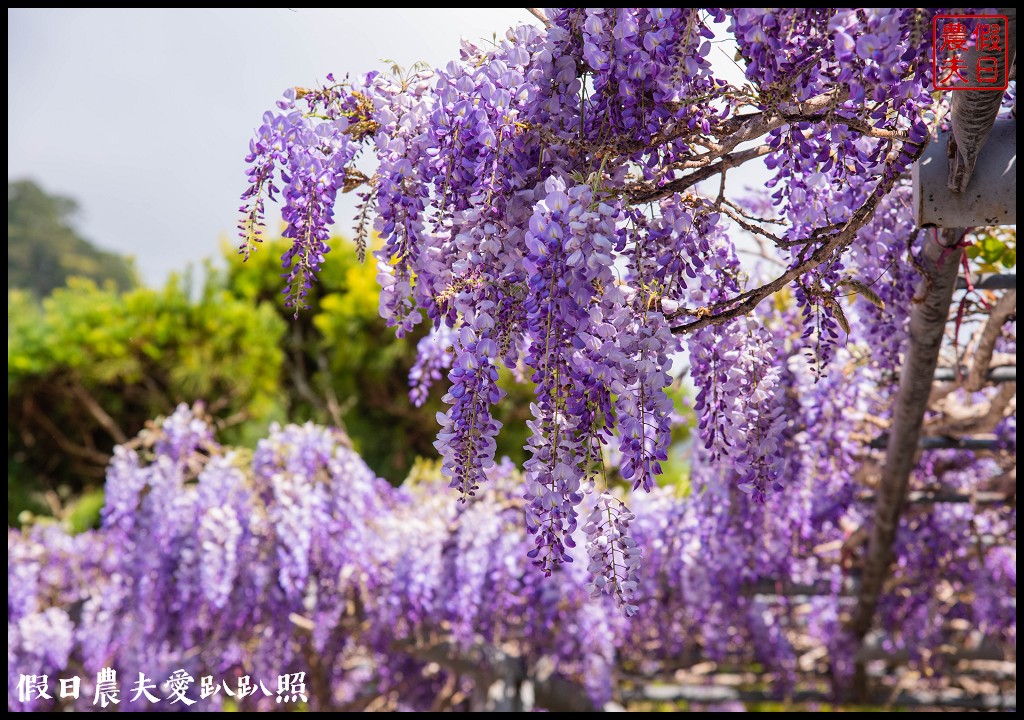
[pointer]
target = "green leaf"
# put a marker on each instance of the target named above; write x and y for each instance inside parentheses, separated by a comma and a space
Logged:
(85, 513)
(992, 249)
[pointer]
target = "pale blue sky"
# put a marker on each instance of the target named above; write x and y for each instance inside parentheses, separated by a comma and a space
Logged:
(144, 116)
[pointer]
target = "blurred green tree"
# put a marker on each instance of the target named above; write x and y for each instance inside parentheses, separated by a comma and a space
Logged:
(44, 249)
(89, 366)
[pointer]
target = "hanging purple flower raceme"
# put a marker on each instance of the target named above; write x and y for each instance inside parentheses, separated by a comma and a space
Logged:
(658, 251)
(881, 260)
(573, 401)
(401, 110)
(614, 555)
(760, 461)
(466, 441)
(739, 398)
(590, 353)
(311, 158)
(715, 349)
(644, 410)
(267, 151)
(221, 529)
(292, 464)
(434, 354)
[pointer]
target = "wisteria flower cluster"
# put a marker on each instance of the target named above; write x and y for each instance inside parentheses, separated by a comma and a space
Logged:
(537, 203)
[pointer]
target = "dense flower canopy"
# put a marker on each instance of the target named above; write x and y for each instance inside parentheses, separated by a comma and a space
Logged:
(538, 202)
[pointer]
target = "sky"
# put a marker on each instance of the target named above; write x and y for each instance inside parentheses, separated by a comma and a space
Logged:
(144, 116)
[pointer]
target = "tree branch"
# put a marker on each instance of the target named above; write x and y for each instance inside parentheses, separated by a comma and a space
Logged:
(975, 419)
(334, 409)
(99, 459)
(758, 232)
(1003, 311)
(927, 328)
(98, 413)
(536, 12)
(743, 128)
(643, 194)
(746, 302)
